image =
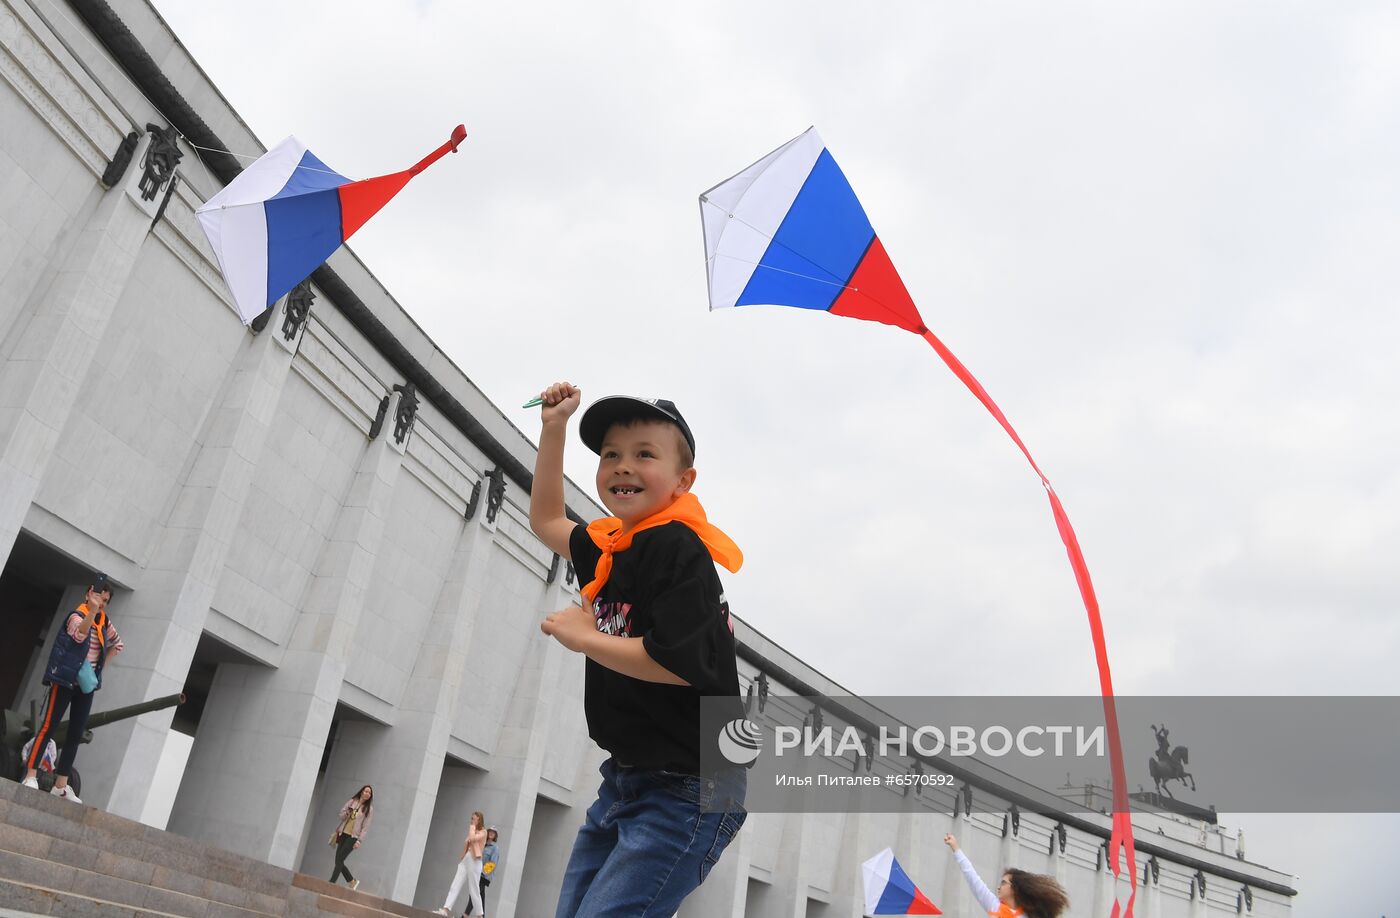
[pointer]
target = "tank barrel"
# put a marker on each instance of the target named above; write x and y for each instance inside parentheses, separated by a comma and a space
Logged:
(102, 718)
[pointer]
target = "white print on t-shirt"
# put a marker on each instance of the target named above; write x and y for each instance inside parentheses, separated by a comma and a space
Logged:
(616, 617)
(613, 617)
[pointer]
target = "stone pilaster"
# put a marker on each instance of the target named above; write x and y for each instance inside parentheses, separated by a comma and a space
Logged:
(55, 346)
(162, 621)
(404, 762)
(511, 788)
(252, 773)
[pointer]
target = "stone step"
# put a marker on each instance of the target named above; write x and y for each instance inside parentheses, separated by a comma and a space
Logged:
(31, 831)
(325, 890)
(57, 875)
(61, 858)
(38, 900)
(91, 828)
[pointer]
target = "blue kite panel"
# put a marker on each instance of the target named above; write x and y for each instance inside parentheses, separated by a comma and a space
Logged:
(817, 247)
(302, 232)
(310, 175)
(894, 901)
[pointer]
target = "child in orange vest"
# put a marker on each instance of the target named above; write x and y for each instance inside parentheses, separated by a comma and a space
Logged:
(1033, 895)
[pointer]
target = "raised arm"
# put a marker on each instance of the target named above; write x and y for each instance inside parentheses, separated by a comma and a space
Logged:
(547, 511)
(984, 896)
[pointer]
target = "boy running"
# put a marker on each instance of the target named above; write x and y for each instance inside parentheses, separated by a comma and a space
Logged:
(655, 628)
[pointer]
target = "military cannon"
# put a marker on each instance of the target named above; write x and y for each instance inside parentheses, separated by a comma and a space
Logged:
(16, 729)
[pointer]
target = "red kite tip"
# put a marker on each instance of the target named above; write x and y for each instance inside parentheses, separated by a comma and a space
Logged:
(459, 134)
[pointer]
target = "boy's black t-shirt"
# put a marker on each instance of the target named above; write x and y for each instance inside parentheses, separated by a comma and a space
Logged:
(664, 590)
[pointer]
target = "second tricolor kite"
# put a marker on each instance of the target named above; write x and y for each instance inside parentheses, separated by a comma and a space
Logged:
(281, 217)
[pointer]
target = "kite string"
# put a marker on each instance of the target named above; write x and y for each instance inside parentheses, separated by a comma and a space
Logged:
(260, 156)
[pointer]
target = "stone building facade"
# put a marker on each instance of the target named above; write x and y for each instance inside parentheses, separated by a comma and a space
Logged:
(317, 530)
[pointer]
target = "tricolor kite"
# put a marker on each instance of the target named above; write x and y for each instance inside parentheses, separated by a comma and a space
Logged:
(789, 231)
(286, 213)
(889, 891)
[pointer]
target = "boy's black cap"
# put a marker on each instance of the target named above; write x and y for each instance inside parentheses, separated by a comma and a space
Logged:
(100, 584)
(605, 412)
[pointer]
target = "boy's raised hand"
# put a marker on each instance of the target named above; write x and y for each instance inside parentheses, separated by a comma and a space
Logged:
(950, 841)
(560, 400)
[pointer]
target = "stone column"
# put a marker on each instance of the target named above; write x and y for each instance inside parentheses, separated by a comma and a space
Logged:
(162, 621)
(252, 773)
(56, 341)
(510, 790)
(788, 895)
(405, 762)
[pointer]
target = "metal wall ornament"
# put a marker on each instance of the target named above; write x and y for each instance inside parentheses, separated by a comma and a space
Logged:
(762, 691)
(570, 575)
(1198, 885)
(377, 424)
(1058, 834)
(297, 309)
(475, 501)
(553, 570)
(916, 770)
(121, 160)
(260, 321)
(1011, 822)
(165, 201)
(158, 165)
(495, 493)
(1244, 901)
(962, 802)
(407, 410)
(1153, 868)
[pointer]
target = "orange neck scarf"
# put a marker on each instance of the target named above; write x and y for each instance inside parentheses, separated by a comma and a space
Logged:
(607, 534)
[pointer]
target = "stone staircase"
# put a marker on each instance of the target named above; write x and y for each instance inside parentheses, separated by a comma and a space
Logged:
(64, 859)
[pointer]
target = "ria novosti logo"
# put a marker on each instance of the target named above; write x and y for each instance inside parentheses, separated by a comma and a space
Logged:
(740, 741)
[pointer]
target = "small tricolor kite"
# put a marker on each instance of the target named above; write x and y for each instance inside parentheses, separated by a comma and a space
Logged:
(286, 213)
(789, 231)
(889, 891)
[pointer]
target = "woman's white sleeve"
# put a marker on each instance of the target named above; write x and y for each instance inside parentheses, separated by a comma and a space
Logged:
(985, 897)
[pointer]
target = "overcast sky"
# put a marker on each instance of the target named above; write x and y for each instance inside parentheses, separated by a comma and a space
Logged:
(1164, 236)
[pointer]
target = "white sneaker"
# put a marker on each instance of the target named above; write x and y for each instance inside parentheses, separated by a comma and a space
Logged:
(31, 782)
(66, 793)
(443, 911)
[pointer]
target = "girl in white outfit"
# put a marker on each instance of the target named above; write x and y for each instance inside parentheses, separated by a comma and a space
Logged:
(469, 868)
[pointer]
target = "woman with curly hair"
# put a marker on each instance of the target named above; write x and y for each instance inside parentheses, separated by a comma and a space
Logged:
(1033, 895)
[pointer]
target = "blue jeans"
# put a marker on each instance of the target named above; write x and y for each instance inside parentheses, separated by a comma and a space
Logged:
(649, 839)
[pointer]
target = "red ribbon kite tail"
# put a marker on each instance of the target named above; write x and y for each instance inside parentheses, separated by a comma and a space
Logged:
(1121, 837)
